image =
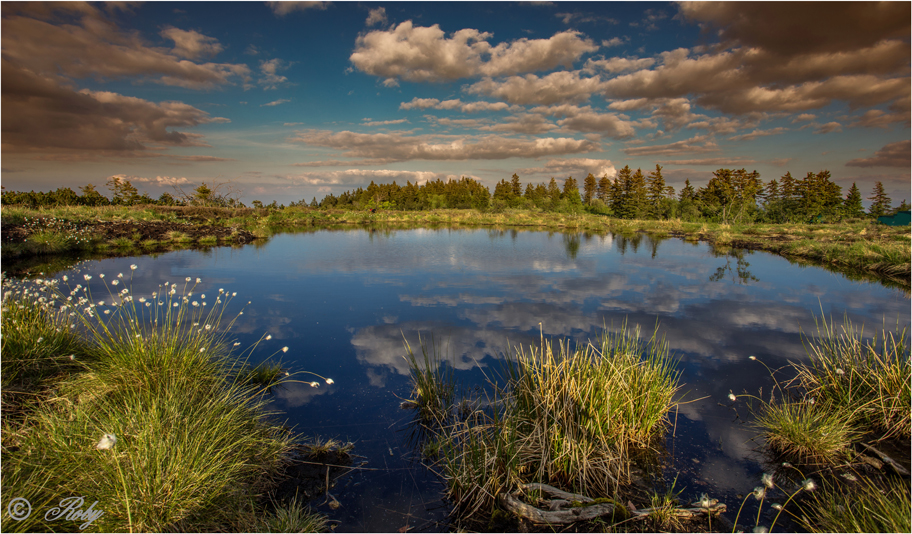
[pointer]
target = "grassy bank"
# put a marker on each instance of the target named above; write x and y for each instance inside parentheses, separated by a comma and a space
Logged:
(574, 418)
(854, 245)
(138, 404)
(831, 423)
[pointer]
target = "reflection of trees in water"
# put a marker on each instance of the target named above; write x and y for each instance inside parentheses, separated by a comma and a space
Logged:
(635, 240)
(572, 244)
(740, 275)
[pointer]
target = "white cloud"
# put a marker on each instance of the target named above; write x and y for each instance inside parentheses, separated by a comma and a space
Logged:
(557, 87)
(578, 166)
(376, 16)
(758, 133)
(425, 54)
(694, 145)
(276, 102)
(270, 69)
(390, 147)
(192, 44)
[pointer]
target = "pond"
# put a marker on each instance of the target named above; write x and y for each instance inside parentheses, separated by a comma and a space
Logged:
(344, 301)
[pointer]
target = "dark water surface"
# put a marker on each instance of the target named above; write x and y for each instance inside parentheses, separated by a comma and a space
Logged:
(343, 300)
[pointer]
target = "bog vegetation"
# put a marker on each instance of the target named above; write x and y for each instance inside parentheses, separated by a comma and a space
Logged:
(730, 197)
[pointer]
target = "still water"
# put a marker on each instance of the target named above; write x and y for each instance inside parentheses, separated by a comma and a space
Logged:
(344, 301)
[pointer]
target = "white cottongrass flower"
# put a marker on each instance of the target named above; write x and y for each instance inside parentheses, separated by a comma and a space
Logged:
(751, 357)
(142, 299)
(101, 303)
(176, 304)
(234, 294)
(850, 477)
(72, 356)
(840, 372)
(732, 397)
(208, 327)
(284, 349)
(767, 480)
(65, 278)
(203, 296)
(133, 267)
(119, 275)
(101, 275)
(759, 529)
(106, 442)
(195, 303)
(759, 492)
(203, 349)
(187, 279)
(268, 337)
(330, 381)
(114, 282)
(776, 506)
(87, 276)
(107, 312)
(236, 343)
(198, 280)
(40, 339)
(808, 485)
(314, 384)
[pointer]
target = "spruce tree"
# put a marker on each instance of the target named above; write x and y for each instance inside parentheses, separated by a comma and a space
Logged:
(880, 201)
(604, 186)
(571, 191)
(589, 187)
(656, 191)
(852, 206)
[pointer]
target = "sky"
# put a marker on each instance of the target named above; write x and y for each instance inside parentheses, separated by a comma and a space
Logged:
(293, 100)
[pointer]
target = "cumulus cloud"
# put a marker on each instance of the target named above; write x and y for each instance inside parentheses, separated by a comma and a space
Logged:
(162, 181)
(192, 44)
(276, 102)
(841, 26)
(618, 64)
(694, 145)
(95, 47)
(525, 123)
(39, 114)
(270, 78)
(891, 155)
(557, 87)
(283, 8)
(199, 159)
(425, 54)
(578, 166)
(465, 107)
(376, 16)
(604, 124)
(390, 147)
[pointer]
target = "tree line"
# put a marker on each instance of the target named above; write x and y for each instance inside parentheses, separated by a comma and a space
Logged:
(729, 196)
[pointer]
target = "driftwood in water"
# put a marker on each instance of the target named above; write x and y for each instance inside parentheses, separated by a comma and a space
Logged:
(565, 508)
(889, 461)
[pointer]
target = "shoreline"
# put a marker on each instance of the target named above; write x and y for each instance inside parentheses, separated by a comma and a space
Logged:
(856, 245)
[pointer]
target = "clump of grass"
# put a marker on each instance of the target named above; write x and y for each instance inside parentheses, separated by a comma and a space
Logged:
(870, 380)
(290, 517)
(569, 417)
(176, 236)
(157, 426)
(867, 507)
(662, 511)
(321, 448)
(807, 432)
(208, 240)
(433, 385)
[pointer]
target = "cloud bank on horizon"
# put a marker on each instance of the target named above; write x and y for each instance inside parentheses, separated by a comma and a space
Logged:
(290, 100)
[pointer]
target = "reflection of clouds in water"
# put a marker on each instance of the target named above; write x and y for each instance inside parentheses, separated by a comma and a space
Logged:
(295, 394)
(450, 300)
(382, 347)
(726, 474)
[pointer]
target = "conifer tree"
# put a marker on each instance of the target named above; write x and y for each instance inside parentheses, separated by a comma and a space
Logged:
(852, 206)
(656, 191)
(604, 186)
(516, 186)
(589, 187)
(687, 192)
(880, 202)
(571, 191)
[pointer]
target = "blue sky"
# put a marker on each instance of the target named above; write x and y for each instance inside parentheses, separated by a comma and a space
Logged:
(291, 100)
